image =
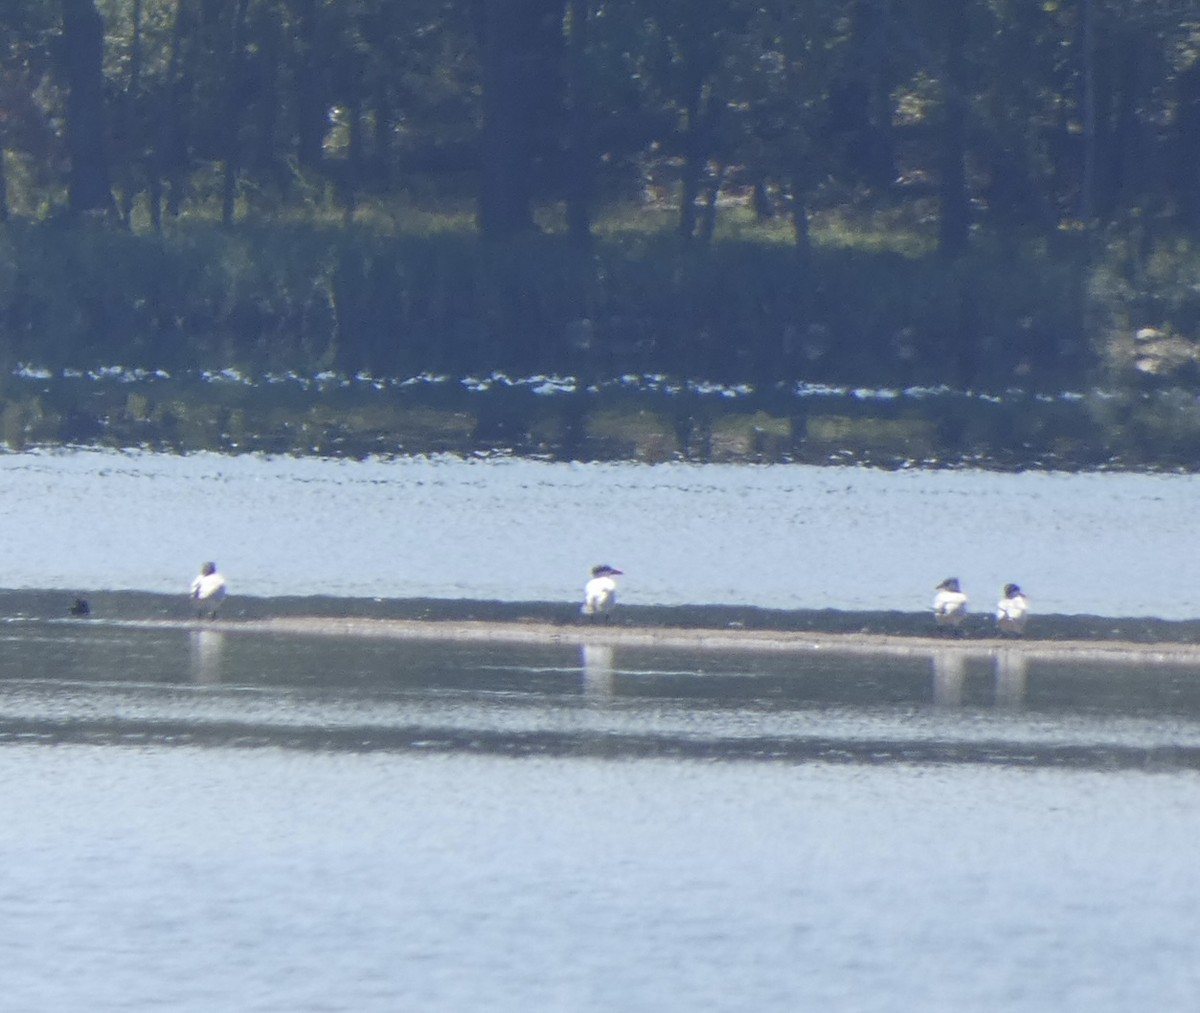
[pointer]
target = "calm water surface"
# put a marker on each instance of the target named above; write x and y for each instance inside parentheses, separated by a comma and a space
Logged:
(197, 820)
(785, 536)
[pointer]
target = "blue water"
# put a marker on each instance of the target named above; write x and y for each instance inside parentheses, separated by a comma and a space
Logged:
(785, 536)
(198, 880)
(206, 819)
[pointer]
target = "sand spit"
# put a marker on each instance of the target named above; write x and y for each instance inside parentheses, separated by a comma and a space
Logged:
(536, 632)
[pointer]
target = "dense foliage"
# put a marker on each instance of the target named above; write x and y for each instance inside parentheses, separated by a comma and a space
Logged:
(977, 192)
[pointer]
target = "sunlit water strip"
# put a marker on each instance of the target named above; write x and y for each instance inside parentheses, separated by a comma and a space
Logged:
(785, 536)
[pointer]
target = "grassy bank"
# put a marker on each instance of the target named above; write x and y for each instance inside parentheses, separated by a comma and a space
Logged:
(313, 295)
(402, 295)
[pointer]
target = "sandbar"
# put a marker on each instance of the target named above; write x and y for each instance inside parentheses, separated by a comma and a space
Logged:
(698, 639)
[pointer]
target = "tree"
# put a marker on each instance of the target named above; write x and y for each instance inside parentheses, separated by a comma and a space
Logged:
(521, 44)
(82, 61)
(579, 167)
(234, 109)
(25, 61)
(954, 221)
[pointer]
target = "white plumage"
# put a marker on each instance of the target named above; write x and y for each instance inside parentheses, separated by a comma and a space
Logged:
(209, 590)
(600, 593)
(949, 603)
(1012, 612)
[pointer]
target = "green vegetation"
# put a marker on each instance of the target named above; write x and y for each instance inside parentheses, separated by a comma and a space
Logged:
(638, 420)
(754, 437)
(306, 297)
(843, 192)
(889, 438)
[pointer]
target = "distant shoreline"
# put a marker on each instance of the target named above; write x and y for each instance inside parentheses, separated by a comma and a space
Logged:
(641, 417)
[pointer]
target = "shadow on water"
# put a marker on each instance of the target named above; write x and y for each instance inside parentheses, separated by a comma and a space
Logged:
(88, 681)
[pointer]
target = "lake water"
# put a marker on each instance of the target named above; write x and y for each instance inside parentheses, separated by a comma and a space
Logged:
(784, 536)
(200, 820)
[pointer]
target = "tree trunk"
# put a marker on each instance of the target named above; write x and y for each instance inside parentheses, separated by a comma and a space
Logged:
(3, 188)
(579, 183)
(764, 206)
(171, 147)
(1087, 186)
(88, 186)
(708, 222)
(1129, 157)
(130, 147)
(873, 39)
(858, 120)
(521, 91)
(386, 118)
(954, 222)
(352, 170)
(799, 210)
(695, 158)
(1186, 142)
(266, 157)
(309, 101)
(233, 113)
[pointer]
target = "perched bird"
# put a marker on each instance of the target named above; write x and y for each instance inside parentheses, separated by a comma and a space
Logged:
(208, 590)
(600, 593)
(949, 604)
(1012, 610)
(80, 607)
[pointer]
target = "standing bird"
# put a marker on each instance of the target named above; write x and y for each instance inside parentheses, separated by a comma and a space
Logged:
(600, 593)
(949, 604)
(1012, 611)
(208, 591)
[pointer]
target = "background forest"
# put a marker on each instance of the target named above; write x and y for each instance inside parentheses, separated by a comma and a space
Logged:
(981, 193)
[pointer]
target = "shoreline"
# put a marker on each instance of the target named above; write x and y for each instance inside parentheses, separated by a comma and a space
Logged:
(1129, 639)
(691, 638)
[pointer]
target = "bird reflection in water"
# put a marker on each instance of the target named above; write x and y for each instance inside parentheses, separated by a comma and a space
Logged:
(597, 663)
(1011, 675)
(1010, 669)
(206, 648)
(949, 674)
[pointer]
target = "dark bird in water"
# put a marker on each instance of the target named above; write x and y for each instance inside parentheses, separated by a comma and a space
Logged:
(80, 607)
